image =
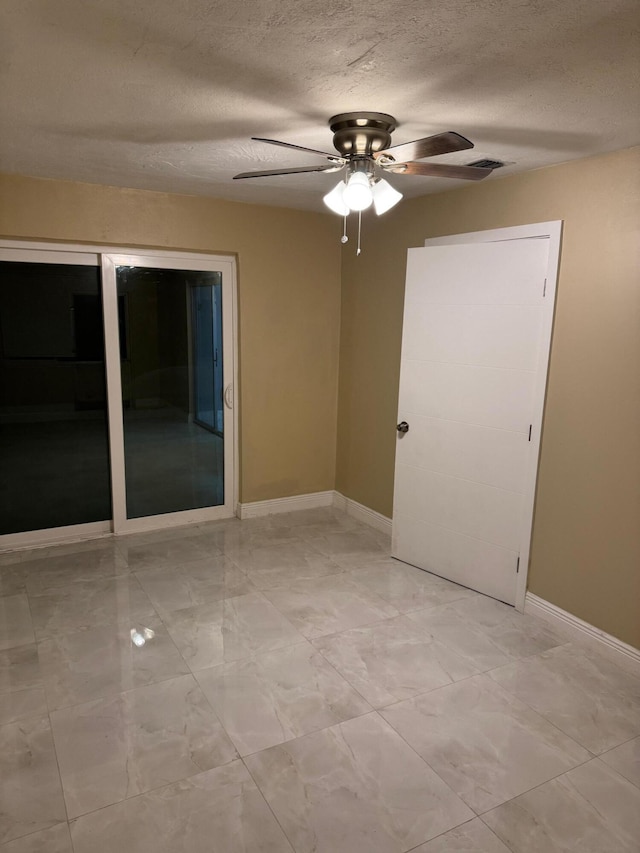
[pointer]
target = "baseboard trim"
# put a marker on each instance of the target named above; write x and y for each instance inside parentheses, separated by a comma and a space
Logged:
(579, 629)
(362, 513)
(256, 509)
(315, 500)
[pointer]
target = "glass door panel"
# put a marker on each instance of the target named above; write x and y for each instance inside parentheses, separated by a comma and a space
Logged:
(206, 336)
(173, 453)
(54, 452)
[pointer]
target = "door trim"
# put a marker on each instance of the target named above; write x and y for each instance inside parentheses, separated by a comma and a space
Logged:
(551, 231)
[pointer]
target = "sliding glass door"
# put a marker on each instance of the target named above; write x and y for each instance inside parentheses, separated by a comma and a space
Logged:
(116, 388)
(167, 388)
(54, 450)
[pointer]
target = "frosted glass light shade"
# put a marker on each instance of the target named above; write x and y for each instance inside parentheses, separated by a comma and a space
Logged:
(358, 194)
(335, 201)
(384, 196)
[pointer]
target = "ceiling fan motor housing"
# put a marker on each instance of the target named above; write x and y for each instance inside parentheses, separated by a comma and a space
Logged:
(362, 133)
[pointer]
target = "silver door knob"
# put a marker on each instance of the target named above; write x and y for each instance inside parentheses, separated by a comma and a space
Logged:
(403, 427)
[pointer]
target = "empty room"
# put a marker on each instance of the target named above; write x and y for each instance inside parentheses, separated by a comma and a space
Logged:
(320, 427)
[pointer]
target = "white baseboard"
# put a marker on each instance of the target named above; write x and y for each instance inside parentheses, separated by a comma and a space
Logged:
(581, 631)
(259, 508)
(314, 501)
(362, 513)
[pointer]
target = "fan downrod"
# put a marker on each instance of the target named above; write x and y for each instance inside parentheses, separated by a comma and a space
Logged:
(362, 133)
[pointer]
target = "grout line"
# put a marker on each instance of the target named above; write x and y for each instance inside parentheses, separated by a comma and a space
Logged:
(266, 802)
(442, 834)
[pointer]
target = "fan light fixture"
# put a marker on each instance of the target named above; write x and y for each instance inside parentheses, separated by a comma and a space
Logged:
(362, 141)
(358, 194)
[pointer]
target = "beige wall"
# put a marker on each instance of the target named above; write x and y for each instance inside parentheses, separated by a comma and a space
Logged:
(586, 540)
(586, 547)
(289, 297)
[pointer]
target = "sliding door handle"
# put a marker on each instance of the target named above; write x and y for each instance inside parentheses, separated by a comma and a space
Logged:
(228, 396)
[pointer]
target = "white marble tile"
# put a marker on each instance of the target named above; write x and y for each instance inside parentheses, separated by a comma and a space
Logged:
(325, 527)
(486, 632)
(326, 605)
(22, 703)
(351, 548)
(30, 791)
(235, 540)
(47, 572)
(155, 553)
(487, 745)
(229, 630)
(278, 565)
(219, 811)
(588, 810)
(355, 788)
(279, 696)
(19, 668)
(13, 580)
(87, 604)
(327, 517)
(408, 588)
(392, 660)
(194, 583)
(112, 749)
(54, 840)
(10, 558)
(16, 627)
(471, 837)
(625, 759)
(21, 693)
(584, 694)
(92, 664)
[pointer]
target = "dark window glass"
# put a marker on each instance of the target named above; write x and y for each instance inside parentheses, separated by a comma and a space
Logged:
(54, 458)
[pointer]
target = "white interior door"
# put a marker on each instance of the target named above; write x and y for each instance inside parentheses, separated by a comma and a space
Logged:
(477, 325)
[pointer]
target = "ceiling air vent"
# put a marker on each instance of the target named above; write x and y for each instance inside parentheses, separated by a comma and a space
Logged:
(487, 164)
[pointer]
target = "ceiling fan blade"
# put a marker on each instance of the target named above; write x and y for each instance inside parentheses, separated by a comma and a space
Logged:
(298, 148)
(441, 143)
(333, 167)
(439, 170)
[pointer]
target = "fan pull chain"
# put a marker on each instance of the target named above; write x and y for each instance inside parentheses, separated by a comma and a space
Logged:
(344, 238)
(359, 230)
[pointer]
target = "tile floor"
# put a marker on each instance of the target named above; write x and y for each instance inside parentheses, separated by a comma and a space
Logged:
(281, 685)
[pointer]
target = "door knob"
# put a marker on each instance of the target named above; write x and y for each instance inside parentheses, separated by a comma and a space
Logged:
(403, 427)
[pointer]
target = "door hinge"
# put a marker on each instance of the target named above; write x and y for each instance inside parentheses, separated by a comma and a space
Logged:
(530, 427)
(544, 289)
(518, 565)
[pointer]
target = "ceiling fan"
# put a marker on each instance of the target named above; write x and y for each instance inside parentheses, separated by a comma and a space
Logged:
(363, 143)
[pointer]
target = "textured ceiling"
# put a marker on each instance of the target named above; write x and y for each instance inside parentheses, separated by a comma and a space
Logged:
(165, 95)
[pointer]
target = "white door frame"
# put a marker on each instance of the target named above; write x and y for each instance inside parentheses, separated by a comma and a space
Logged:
(551, 231)
(93, 255)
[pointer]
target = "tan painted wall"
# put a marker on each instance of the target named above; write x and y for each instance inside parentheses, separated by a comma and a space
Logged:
(289, 296)
(586, 540)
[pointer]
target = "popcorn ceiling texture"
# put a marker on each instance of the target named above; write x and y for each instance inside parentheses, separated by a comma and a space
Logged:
(165, 95)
